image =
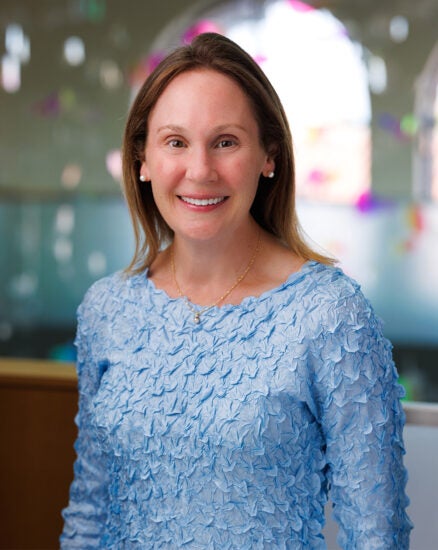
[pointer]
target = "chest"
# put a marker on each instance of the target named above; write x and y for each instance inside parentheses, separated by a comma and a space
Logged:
(235, 393)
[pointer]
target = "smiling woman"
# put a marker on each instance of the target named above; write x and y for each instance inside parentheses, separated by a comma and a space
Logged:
(258, 107)
(231, 374)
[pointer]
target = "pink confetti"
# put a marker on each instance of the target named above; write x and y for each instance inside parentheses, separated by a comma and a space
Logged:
(318, 177)
(198, 28)
(144, 68)
(367, 202)
(300, 6)
(154, 60)
(260, 59)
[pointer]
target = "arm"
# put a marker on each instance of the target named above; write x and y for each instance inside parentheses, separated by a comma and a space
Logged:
(362, 420)
(86, 512)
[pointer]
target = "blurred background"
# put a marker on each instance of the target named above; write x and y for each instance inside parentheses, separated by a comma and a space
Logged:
(359, 81)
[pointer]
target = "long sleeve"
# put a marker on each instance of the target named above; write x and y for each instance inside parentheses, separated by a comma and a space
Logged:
(86, 512)
(362, 420)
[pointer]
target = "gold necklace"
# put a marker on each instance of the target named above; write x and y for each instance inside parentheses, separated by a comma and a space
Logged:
(198, 312)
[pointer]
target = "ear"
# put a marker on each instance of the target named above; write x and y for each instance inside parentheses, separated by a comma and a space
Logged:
(144, 171)
(269, 166)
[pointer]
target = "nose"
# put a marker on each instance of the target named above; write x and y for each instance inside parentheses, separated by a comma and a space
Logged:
(200, 166)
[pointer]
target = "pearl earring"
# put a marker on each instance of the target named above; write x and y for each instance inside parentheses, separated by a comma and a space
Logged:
(271, 175)
(142, 178)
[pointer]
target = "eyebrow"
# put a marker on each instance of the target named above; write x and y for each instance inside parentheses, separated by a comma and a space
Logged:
(217, 129)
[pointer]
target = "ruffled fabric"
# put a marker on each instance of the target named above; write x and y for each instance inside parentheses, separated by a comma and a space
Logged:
(228, 434)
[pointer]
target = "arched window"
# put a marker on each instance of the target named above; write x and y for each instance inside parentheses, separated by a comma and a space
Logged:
(320, 76)
(426, 150)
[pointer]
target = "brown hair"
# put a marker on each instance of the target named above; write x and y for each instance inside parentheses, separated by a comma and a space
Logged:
(274, 203)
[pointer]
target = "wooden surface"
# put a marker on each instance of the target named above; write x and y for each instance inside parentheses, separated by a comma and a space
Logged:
(35, 372)
(38, 402)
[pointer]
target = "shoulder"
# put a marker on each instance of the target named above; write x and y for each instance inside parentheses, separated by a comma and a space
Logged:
(105, 306)
(331, 280)
(334, 299)
(102, 289)
(331, 283)
(109, 294)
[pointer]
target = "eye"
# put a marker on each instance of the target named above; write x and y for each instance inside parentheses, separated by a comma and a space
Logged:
(223, 143)
(175, 143)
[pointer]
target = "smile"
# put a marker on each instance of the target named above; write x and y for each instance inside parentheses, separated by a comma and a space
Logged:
(202, 202)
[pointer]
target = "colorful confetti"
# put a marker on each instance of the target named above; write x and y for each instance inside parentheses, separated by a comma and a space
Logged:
(144, 68)
(205, 25)
(409, 125)
(415, 218)
(300, 6)
(93, 10)
(416, 225)
(260, 59)
(318, 177)
(401, 129)
(369, 202)
(56, 103)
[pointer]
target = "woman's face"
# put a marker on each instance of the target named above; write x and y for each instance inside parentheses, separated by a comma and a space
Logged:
(203, 156)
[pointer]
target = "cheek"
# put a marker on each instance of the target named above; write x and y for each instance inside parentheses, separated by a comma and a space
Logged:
(164, 185)
(155, 164)
(247, 174)
(165, 173)
(159, 192)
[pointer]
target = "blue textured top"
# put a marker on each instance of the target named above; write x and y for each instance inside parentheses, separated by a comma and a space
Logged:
(228, 434)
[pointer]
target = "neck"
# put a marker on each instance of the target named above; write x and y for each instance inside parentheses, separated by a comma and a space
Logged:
(208, 273)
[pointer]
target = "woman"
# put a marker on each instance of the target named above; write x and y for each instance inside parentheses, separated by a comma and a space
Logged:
(232, 375)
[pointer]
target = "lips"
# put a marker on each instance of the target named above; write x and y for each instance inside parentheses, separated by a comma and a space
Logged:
(203, 202)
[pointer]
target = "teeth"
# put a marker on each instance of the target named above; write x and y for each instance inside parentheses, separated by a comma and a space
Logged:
(202, 202)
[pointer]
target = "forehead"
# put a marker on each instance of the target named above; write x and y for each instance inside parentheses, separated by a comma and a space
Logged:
(202, 75)
(202, 88)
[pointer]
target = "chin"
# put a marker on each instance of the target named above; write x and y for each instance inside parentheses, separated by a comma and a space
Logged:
(202, 233)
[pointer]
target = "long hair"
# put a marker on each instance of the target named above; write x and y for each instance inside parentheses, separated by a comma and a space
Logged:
(274, 204)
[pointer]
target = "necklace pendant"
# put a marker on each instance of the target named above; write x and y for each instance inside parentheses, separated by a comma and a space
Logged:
(197, 318)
